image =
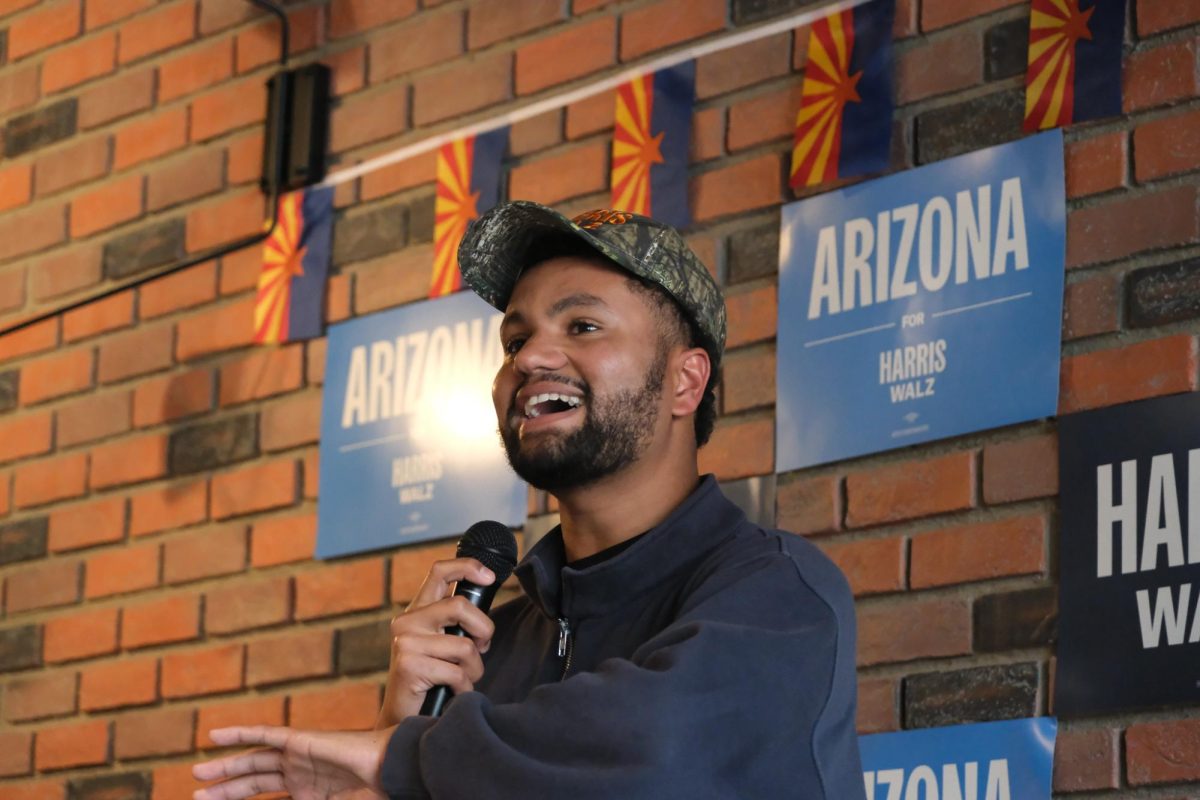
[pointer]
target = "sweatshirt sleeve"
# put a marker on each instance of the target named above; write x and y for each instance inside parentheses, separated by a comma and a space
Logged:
(748, 693)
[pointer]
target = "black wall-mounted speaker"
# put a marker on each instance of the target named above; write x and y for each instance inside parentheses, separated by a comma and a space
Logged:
(298, 159)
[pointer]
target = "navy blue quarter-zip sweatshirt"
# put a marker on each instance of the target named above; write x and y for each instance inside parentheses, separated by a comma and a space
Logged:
(710, 659)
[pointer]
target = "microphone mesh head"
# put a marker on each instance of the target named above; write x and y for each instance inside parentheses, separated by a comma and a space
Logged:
(493, 545)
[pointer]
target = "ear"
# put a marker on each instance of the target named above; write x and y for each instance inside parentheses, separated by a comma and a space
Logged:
(691, 378)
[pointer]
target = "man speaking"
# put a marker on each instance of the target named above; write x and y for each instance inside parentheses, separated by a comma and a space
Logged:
(664, 646)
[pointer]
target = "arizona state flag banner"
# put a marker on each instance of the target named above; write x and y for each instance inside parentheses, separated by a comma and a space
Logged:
(1074, 69)
(295, 262)
(651, 140)
(468, 184)
(844, 126)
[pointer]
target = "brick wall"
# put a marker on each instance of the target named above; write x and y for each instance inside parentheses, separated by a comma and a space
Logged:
(158, 474)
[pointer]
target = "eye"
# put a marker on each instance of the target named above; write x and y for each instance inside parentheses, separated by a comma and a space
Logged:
(583, 326)
(513, 345)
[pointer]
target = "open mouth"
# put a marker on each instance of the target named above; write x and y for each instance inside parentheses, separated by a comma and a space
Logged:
(550, 403)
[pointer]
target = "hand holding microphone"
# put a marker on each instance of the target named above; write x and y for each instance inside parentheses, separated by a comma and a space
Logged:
(437, 641)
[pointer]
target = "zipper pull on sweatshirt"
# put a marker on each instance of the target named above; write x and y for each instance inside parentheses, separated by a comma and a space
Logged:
(564, 636)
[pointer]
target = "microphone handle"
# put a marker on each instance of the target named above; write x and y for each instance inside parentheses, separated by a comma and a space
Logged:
(480, 597)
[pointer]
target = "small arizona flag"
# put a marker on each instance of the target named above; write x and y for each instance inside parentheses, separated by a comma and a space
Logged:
(468, 184)
(651, 141)
(1074, 69)
(844, 126)
(295, 262)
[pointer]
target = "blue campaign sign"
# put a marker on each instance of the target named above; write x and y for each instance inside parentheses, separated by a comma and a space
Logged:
(922, 305)
(409, 449)
(1011, 760)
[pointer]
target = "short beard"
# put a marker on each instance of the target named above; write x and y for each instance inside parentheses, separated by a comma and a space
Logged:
(615, 431)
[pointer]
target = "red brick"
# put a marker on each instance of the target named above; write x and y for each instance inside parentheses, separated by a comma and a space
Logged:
(72, 165)
(291, 423)
(30, 230)
(106, 207)
(31, 339)
(945, 64)
(282, 540)
(566, 55)
(228, 108)
(741, 187)
(172, 397)
(369, 118)
(1096, 165)
(200, 672)
(240, 271)
(163, 732)
(751, 316)
(337, 298)
(1163, 752)
(100, 316)
(12, 6)
(244, 162)
(256, 488)
(1090, 306)
(872, 566)
(12, 289)
(260, 45)
(262, 374)
(55, 376)
(668, 22)
(584, 6)
(39, 696)
(746, 65)
(170, 619)
(941, 13)
(179, 290)
(930, 629)
(538, 133)
(197, 174)
(128, 569)
(349, 69)
(150, 138)
(5, 498)
(740, 448)
(83, 635)
(129, 461)
(570, 173)
(809, 505)
(221, 328)
(232, 218)
(97, 13)
(1153, 16)
(877, 707)
(910, 489)
(347, 17)
(488, 23)
(16, 753)
(763, 118)
(315, 363)
(85, 524)
(396, 279)
(339, 589)
(255, 711)
(748, 379)
(591, 115)
(168, 507)
(232, 609)
(146, 349)
(127, 93)
(1086, 759)
(113, 684)
(426, 40)
(66, 271)
(708, 134)
(1167, 146)
(18, 87)
(206, 554)
(78, 744)
(16, 186)
(50, 584)
(157, 31)
(981, 551)
(462, 88)
(1020, 469)
(411, 565)
(1133, 372)
(1163, 75)
(198, 68)
(175, 780)
(70, 66)
(293, 656)
(344, 707)
(49, 480)
(51, 24)
(217, 15)
(24, 436)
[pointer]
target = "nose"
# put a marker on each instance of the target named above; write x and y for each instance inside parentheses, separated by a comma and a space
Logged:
(539, 353)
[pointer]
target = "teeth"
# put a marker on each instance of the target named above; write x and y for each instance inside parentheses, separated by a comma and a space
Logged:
(532, 412)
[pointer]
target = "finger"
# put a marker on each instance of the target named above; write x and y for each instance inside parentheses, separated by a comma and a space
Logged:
(241, 764)
(444, 573)
(422, 673)
(434, 618)
(455, 649)
(270, 735)
(247, 786)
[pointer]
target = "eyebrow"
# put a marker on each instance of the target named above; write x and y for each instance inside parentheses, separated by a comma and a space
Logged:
(577, 300)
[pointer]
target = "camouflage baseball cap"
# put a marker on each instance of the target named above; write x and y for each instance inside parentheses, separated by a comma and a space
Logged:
(496, 249)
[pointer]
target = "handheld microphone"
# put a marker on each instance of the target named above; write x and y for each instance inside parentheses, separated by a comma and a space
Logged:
(493, 545)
